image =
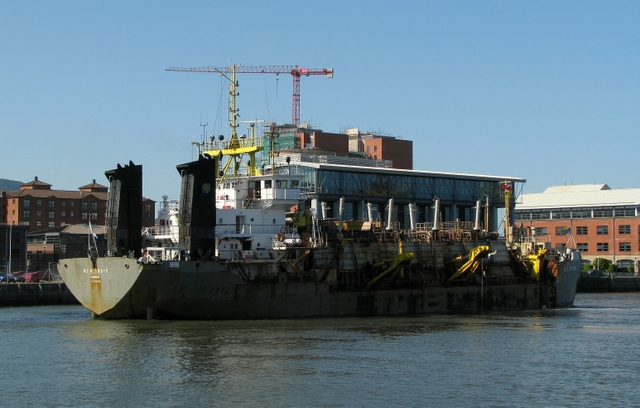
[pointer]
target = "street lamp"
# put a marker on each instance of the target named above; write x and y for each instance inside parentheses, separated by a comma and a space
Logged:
(10, 240)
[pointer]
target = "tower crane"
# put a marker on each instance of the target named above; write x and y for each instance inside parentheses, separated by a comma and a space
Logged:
(295, 71)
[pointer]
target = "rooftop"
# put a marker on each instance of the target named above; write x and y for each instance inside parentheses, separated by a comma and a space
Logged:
(582, 195)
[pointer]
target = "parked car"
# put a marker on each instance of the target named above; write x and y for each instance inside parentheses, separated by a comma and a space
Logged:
(594, 273)
(33, 276)
(14, 277)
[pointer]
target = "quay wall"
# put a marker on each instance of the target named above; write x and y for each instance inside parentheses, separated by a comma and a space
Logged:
(592, 284)
(32, 294)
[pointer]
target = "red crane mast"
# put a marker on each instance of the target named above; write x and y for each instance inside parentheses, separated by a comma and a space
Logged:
(295, 71)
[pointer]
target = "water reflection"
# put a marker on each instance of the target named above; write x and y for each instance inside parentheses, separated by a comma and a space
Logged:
(498, 359)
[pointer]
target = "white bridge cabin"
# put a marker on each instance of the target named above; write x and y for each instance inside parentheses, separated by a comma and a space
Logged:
(251, 213)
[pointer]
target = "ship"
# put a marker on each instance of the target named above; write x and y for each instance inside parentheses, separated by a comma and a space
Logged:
(267, 267)
(239, 246)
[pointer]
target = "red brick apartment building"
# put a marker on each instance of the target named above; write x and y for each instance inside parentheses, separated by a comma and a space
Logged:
(363, 144)
(388, 148)
(599, 221)
(39, 207)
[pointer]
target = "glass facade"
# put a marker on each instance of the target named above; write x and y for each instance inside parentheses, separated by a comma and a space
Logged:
(360, 186)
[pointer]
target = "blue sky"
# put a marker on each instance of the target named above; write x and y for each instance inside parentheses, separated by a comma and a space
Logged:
(548, 91)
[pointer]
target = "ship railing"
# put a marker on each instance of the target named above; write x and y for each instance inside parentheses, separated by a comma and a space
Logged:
(157, 230)
(159, 254)
(229, 144)
(237, 254)
(233, 229)
(447, 225)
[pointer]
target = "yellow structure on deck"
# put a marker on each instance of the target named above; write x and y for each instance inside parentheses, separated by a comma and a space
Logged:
(397, 265)
(473, 261)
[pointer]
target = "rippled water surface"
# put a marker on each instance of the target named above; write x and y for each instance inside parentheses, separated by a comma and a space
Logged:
(586, 356)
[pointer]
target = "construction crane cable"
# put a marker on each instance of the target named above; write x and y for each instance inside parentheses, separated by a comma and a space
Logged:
(293, 70)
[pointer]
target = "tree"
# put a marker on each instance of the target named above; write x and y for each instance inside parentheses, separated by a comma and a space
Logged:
(601, 264)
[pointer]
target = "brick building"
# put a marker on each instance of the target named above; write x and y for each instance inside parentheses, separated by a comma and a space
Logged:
(291, 139)
(399, 151)
(599, 221)
(39, 207)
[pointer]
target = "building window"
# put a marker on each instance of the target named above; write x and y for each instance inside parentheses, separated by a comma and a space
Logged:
(625, 247)
(541, 231)
(540, 215)
(625, 212)
(52, 204)
(72, 214)
(63, 203)
(85, 205)
(52, 214)
(582, 230)
(39, 213)
(563, 230)
(375, 148)
(581, 213)
(626, 265)
(561, 247)
(368, 149)
(602, 213)
(38, 223)
(624, 229)
(72, 203)
(52, 224)
(94, 216)
(583, 247)
(560, 214)
(26, 203)
(94, 206)
(84, 216)
(147, 207)
(39, 202)
(603, 247)
(26, 214)
(602, 230)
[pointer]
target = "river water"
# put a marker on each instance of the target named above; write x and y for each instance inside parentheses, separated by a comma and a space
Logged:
(58, 356)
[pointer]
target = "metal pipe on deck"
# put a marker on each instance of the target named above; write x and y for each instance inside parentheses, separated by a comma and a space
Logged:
(476, 226)
(340, 213)
(390, 215)
(436, 213)
(413, 216)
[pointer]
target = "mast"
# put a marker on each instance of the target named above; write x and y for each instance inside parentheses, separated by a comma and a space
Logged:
(507, 187)
(231, 153)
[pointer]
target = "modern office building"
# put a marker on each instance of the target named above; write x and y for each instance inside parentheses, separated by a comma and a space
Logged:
(601, 222)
